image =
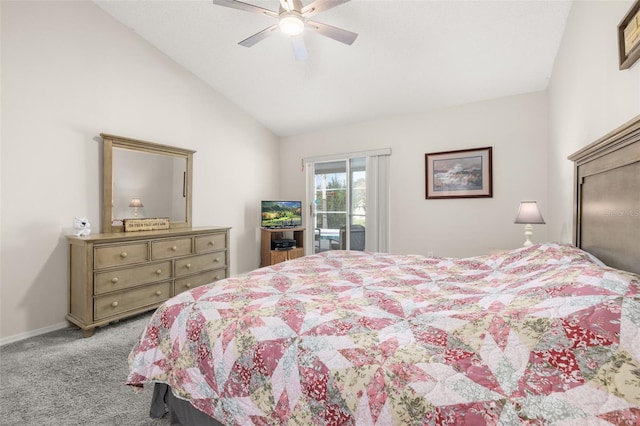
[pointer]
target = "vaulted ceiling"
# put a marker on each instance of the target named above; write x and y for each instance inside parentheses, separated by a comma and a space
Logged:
(410, 56)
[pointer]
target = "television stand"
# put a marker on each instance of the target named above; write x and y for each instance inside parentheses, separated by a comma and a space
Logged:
(270, 256)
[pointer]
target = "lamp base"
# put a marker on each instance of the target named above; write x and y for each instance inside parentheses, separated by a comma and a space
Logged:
(528, 232)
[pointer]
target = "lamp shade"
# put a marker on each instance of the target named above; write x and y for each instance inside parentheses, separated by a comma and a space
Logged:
(135, 202)
(529, 213)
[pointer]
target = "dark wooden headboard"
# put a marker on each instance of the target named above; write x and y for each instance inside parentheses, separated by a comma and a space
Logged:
(607, 197)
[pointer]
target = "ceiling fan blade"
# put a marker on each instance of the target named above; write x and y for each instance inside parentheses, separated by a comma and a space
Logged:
(338, 34)
(299, 48)
(246, 7)
(320, 6)
(250, 41)
(290, 5)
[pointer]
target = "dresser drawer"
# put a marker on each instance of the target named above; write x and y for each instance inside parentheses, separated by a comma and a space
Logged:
(122, 254)
(165, 249)
(124, 278)
(210, 242)
(116, 303)
(203, 262)
(193, 281)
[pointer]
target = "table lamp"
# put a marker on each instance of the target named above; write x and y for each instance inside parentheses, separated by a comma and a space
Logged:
(528, 214)
(135, 203)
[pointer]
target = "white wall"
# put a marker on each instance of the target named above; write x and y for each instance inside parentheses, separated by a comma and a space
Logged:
(70, 72)
(516, 128)
(588, 97)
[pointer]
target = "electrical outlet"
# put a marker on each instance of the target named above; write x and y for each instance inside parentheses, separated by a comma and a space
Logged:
(430, 253)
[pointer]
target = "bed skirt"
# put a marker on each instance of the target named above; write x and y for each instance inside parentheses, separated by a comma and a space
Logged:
(180, 412)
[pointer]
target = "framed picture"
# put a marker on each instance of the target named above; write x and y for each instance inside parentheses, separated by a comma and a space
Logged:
(629, 37)
(459, 174)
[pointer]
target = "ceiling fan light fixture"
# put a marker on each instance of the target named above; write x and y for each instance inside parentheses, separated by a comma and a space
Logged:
(291, 23)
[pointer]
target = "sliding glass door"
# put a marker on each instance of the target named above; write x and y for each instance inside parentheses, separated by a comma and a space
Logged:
(348, 199)
(339, 204)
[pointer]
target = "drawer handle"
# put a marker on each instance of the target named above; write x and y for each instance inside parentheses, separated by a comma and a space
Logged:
(114, 280)
(188, 285)
(123, 254)
(211, 243)
(174, 248)
(158, 293)
(217, 259)
(159, 271)
(114, 304)
(188, 265)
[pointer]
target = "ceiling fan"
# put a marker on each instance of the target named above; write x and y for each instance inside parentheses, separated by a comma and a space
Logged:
(292, 19)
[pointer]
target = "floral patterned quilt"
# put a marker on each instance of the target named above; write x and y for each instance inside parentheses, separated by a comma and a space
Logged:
(539, 335)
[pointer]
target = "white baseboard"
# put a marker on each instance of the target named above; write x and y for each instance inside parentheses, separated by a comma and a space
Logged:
(32, 333)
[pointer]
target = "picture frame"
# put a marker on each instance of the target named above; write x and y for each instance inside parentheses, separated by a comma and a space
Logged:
(629, 37)
(465, 173)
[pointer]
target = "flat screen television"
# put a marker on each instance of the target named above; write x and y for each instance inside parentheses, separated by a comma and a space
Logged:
(281, 214)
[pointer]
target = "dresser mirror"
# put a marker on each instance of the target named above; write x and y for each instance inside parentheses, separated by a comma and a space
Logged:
(145, 180)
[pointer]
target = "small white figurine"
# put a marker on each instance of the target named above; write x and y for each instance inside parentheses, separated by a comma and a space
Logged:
(81, 226)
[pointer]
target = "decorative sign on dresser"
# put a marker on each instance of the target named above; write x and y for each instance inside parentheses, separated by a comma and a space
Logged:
(118, 274)
(145, 224)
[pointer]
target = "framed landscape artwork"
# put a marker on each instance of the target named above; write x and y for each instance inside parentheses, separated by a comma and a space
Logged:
(629, 37)
(459, 174)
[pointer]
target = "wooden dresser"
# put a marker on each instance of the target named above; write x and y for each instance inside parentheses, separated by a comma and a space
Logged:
(117, 275)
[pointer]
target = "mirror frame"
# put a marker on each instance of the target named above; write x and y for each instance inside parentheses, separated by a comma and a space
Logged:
(109, 143)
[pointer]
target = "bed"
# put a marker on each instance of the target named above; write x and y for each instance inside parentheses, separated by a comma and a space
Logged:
(547, 334)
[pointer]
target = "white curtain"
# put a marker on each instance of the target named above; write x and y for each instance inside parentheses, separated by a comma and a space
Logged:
(377, 203)
(377, 219)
